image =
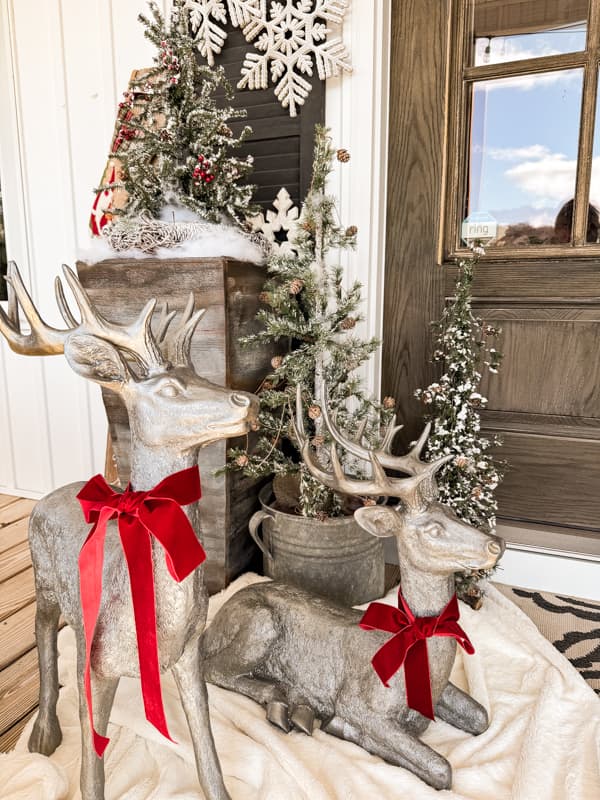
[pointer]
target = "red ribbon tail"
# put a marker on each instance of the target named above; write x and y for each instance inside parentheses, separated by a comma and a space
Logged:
(138, 554)
(91, 560)
(418, 684)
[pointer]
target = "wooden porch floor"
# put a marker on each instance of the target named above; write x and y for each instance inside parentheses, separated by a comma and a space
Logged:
(19, 682)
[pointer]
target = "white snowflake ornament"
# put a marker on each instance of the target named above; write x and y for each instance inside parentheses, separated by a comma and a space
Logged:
(204, 16)
(290, 35)
(288, 38)
(282, 221)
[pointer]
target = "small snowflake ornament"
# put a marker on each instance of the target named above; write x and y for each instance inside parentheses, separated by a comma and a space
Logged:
(278, 227)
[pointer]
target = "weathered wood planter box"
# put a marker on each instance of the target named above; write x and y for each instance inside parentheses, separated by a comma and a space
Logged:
(229, 290)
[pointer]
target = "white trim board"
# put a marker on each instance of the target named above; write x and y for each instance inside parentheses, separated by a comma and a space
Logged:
(550, 572)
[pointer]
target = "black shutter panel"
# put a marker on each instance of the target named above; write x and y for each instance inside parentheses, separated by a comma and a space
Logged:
(282, 146)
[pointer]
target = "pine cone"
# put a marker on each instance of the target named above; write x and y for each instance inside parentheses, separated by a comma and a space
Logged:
(242, 460)
(352, 230)
(343, 155)
(461, 462)
(266, 386)
(369, 501)
(348, 323)
(321, 516)
(318, 441)
(296, 286)
(314, 412)
(308, 226)
(264, 297)
(225, 130)
(276, 362)
(389, 402)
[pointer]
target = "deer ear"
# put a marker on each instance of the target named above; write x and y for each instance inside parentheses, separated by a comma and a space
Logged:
(96, 360)
(380, 521)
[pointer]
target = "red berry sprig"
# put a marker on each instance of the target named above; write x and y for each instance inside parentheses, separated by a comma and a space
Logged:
(203, 172)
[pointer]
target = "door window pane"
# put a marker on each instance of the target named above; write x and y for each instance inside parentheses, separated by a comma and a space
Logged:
(523, 155)
(512, 30)
(2, 253)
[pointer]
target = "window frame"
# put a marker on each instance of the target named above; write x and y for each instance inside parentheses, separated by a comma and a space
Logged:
(461, 76)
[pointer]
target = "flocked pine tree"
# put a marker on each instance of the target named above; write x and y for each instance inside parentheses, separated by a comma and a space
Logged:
(465, 347)
(309, 317)
(179, 144)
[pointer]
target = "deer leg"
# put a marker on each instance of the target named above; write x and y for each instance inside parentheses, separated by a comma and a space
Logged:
(103, 694)
(194, 699)
(461, 711)
(397, 747)
(46, 734)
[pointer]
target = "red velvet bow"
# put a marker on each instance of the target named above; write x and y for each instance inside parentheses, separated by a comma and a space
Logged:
(141, 516)
(409, 646)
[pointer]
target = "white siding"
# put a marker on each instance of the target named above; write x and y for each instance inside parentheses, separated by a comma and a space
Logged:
(63, 65)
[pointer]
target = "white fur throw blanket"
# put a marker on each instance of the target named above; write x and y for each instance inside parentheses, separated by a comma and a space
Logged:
(543, 742)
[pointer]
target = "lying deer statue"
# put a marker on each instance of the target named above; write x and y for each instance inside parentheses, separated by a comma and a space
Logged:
(172, 413)
(303, 657)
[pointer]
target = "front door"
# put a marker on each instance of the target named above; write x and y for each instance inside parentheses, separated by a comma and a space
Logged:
(493, 110)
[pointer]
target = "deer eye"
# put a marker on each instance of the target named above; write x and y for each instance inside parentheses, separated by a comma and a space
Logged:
(170, 390)
(434, 529)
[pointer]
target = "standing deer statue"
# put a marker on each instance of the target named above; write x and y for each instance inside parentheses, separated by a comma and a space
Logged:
(172, 413)
(303, 657)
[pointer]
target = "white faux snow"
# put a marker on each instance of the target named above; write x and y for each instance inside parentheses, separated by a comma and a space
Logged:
(221, 243)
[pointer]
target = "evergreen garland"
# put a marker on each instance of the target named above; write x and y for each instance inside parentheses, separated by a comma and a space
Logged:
(178, 143)
(309, 317)
(465, 346)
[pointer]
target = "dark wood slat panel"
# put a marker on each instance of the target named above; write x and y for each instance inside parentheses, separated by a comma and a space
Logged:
(16, 592)
(535, 487)
(17, 635)
(13, 534)
(414, 280)
(271, 124)
(9, 739)
(19, 689)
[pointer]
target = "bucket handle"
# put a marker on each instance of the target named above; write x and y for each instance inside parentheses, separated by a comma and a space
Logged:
(255, 522)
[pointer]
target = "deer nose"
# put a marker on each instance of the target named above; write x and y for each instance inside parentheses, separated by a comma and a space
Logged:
(241, 400)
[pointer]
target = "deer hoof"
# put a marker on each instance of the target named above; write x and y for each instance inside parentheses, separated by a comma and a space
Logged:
(45, 738)
(278, 714)
(303, 719)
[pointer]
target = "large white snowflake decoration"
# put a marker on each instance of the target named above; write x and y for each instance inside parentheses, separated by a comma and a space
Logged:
(204, 16)
(278, 227)
(289, 35)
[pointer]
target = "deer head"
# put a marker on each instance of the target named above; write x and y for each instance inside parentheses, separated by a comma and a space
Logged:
(168, 403)
(428, 534)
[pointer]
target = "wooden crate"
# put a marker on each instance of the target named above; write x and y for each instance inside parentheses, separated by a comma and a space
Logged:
(229, 290)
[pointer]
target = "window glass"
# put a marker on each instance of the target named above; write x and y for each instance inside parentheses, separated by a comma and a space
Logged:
(524, 133)
(509, 30)
(2, 253)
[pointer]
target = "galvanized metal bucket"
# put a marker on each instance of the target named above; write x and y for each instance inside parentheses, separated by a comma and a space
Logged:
(335, 558)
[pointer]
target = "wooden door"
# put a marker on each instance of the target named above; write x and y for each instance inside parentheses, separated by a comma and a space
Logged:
(473, 117)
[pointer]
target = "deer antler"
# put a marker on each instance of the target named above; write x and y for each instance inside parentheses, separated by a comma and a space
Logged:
(135, 339)
(416, 492)
(410, 463)
(176, 342)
